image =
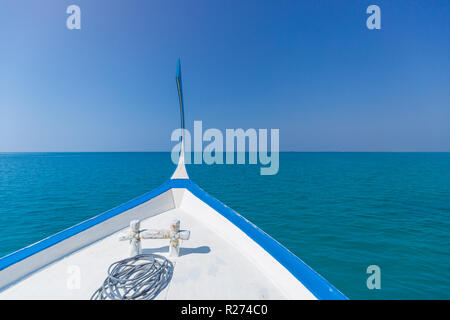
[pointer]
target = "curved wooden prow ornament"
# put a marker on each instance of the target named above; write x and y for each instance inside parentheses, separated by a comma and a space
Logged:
(180, 171)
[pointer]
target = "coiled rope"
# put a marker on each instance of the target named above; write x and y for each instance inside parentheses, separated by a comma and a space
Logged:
(141, 277)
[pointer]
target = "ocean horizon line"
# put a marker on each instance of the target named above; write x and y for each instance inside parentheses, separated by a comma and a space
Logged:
(284, 151)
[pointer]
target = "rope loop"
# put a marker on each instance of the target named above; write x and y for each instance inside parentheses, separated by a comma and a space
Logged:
(141, 277)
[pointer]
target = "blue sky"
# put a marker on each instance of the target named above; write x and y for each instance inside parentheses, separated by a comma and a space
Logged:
(310, 68)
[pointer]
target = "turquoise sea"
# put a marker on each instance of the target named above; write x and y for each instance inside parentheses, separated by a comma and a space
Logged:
(338, 212)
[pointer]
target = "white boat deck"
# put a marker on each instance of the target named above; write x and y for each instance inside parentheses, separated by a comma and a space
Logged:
(208, 267)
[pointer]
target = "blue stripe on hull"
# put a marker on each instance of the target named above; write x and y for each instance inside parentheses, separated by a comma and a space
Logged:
(315, 283)
(67, 233)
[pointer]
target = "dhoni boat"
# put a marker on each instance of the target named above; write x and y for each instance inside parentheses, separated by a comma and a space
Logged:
(218, 254)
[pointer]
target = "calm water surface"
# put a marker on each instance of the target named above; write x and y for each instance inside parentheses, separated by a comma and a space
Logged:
(338, 212)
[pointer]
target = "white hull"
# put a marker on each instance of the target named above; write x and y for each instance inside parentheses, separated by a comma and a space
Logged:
(227, 257)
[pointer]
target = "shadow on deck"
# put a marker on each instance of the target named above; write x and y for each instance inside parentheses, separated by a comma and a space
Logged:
(183, 251)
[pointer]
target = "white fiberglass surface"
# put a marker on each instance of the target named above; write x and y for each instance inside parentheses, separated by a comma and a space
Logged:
(208, 268)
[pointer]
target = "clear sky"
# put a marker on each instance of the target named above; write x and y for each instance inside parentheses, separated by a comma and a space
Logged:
(310, 68)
